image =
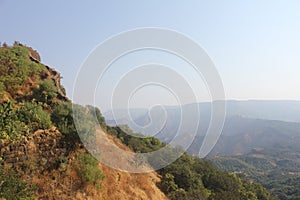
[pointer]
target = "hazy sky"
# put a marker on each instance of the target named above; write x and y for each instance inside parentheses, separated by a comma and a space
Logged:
(254, 44)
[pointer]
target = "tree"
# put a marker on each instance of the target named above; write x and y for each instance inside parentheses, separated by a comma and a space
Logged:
(168, 183)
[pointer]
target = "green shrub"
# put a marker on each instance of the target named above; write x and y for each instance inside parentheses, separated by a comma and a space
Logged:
(34, 116)
(13, 188)
(88, 170)
(168, 183)
(16, 68)
(11, 127)
(20, 119)
(45, 92)
(63, 117)
(2, 90)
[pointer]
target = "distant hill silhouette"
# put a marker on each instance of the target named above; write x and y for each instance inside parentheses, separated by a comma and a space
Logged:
(248, 124)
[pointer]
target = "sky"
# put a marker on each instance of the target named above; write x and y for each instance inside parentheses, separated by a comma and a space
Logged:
(255, 44)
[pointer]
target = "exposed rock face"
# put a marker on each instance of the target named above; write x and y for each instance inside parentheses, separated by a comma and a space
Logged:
(39, 159)
(42, 144)
(34, 55)
(55, 76)
(50, 73)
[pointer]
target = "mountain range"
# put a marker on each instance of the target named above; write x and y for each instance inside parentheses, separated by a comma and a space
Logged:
(248, 124)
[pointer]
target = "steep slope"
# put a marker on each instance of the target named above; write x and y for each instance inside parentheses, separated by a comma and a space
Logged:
(39, 153)
(123, 185)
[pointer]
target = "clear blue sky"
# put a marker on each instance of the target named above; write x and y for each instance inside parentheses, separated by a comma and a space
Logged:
(254, 44)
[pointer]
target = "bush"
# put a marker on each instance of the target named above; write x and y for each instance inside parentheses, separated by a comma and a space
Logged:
(34, 116)
(62, 117)
(13, 188)
(168, 183)
(10, 125)
(45, 92)
(88, 170)
(2, 90)
(20, 119)
(16, 68)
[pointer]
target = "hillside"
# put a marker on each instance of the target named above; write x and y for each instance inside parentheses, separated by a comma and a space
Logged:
(42, 156)
(241, 134)
(277, 168)
(37, 145)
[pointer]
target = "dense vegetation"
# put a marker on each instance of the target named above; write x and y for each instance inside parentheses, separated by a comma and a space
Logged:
(87, 169)
(275, 168)
(12, 187)
(29, 103)
(16, 70)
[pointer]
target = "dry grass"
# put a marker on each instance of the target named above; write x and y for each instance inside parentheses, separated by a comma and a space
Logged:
(126, 186)
(123, 185)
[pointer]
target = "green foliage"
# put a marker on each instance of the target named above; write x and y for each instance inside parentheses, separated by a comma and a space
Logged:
(12, 188)
(88, 170)
(63, 117)
(45, 92)
(16, 68)
(20, 119)
(168, 183)
(285, 187)
(275, 168)
(178, 194)
(11, 127)
(2, 90)
(223, 184)
(189, 182)
(34, 116)
(137, 142)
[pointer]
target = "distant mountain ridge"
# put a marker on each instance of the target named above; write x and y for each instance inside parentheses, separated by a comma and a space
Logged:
(282, 110)
(248, 124)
